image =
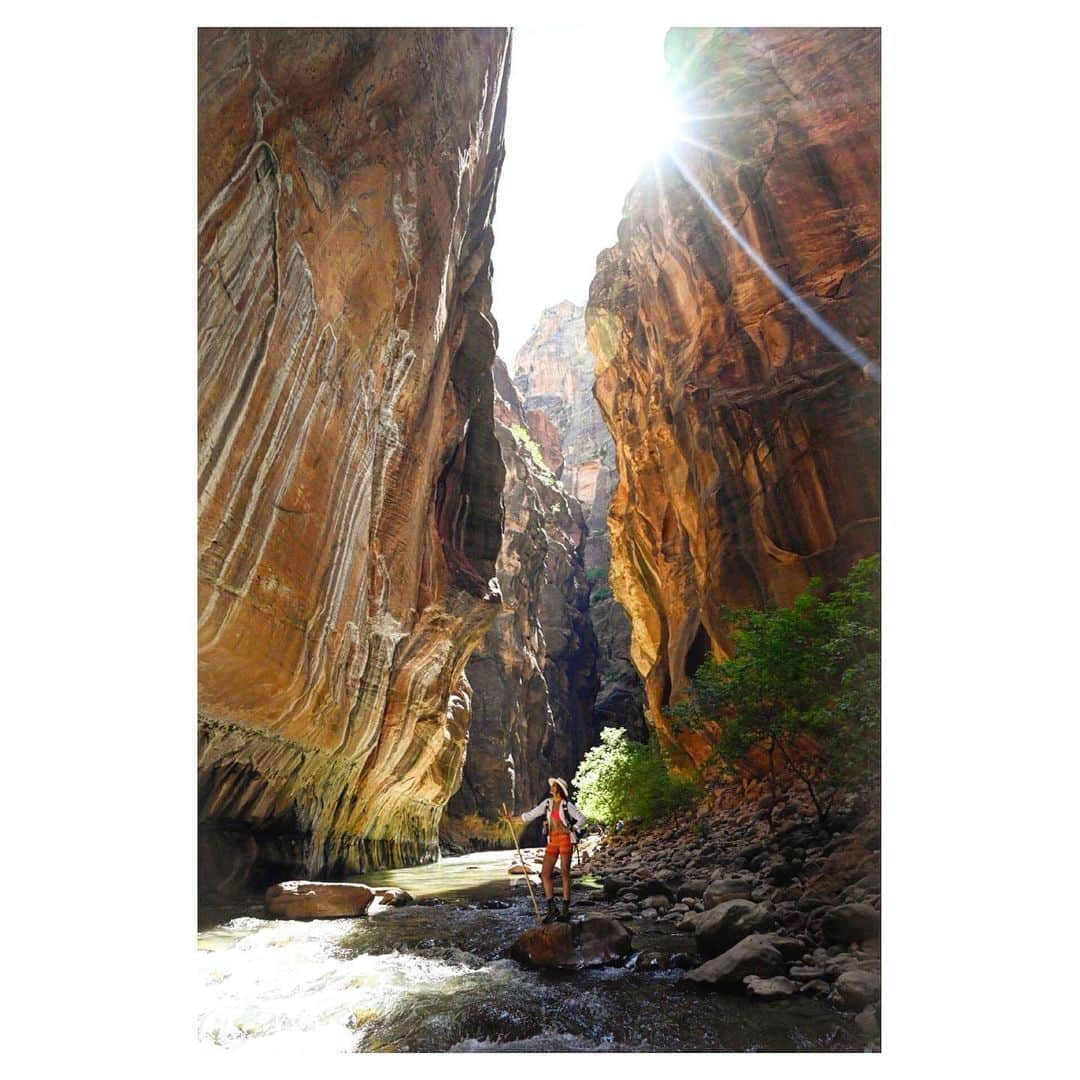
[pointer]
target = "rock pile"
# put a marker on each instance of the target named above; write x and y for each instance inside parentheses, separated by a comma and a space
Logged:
(773, 912)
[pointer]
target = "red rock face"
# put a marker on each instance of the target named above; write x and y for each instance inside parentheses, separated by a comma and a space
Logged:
(747, 444)
(533, 678)
(349, 475)
(554, 375)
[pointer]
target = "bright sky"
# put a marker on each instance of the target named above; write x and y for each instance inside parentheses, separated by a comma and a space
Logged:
(580, 119)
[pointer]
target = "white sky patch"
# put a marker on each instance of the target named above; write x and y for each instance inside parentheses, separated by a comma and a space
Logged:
(585, 112)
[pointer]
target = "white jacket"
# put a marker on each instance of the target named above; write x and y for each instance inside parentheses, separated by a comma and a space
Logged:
(574, 817)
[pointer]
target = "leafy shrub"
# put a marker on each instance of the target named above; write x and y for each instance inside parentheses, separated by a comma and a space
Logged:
(804, 682)
(603, 593)
(628, 780)
(596, 573)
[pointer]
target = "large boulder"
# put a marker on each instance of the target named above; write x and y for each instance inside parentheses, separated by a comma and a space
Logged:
(754, 955)
(318, 899)
(718, 928)
(851, 922)
(570, 946)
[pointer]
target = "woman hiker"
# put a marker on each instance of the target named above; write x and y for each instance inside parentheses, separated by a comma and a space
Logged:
(563, 822)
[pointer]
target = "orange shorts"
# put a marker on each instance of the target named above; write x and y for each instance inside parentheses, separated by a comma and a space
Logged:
(559, 844)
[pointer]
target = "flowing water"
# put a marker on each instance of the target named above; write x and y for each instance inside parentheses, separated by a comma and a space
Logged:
(436, 976)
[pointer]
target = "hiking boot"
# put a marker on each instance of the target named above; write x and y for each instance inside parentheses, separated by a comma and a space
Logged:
(552, 912)
(565, 916)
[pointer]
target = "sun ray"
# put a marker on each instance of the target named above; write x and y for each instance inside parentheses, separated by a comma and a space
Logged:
(869, 367)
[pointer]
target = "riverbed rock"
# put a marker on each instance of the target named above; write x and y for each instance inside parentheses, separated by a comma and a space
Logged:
(391, 896)
(754, 955)
(851, 922)
(718, 929)
(858, 988)
(694, 888)
(571, 946)
(769, 989)
(318, 899)
(719, 892)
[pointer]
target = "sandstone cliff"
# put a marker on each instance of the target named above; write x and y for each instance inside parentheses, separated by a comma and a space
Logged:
(747, 444)
(553, 371)
(534, 676)
(349, 473)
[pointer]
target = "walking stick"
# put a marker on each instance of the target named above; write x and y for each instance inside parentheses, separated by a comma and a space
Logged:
(510, 826)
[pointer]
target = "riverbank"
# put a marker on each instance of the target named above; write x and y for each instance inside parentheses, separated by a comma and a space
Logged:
(721, 879)
(436, 976)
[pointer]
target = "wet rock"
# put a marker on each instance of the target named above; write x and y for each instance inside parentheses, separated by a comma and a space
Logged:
(719, 928)
(769, 989)
(389, 896)
(858, 988)
(754, 955)
(851, 922)
(571, 946)
(815, 988)
(659, 901)
(318, 900)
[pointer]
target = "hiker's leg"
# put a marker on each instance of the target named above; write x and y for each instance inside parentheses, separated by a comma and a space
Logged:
(567, 855)
(550, 855)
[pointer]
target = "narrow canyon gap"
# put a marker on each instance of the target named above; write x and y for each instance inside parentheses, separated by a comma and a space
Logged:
(427, 581)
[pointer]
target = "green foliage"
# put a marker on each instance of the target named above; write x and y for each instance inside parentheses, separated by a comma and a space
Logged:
(603, 593)
(596, 573)
(628, 780)
(532, 447)
(804, 676)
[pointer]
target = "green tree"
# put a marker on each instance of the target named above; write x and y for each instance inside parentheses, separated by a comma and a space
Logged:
(804, 684)
(628, 780)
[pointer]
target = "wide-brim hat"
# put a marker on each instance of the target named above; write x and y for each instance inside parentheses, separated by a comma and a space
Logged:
(562, 783)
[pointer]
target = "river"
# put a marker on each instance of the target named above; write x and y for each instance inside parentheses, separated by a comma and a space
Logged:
(436, 976)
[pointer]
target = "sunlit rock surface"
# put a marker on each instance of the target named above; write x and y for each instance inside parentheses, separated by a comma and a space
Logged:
(534, 677)
(747, 445)
(553, 372)
(349, 475)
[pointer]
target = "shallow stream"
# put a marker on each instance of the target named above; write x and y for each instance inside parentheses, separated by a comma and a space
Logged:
(436, 976)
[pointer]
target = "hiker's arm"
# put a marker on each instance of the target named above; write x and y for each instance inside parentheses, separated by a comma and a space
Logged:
(535, 812)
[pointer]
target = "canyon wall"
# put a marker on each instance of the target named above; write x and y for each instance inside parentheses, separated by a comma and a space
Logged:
(553, 372)
(534, 676)
(350, 476)
(747, 445)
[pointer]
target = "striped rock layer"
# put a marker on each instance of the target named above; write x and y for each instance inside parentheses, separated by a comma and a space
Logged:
(748, 445)
(349, 475)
